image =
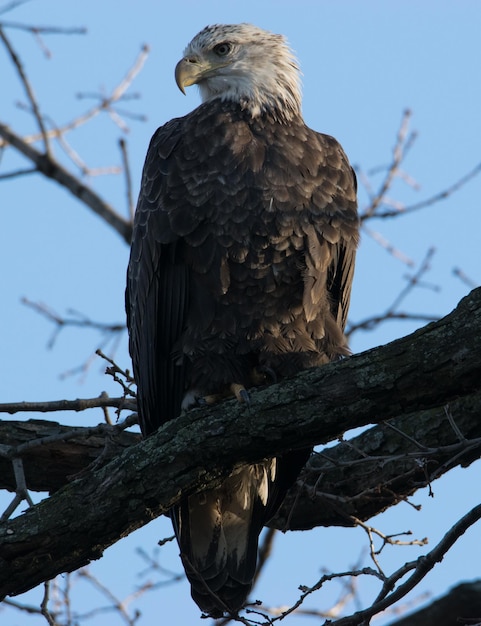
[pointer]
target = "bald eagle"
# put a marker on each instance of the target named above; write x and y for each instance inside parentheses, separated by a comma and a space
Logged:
(240, 273)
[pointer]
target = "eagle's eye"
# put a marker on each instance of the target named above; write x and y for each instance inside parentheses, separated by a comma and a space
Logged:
(222, 49)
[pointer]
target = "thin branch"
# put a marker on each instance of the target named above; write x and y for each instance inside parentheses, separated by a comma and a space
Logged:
(28, 90)
(18, 173)
(114, 370)
(120, 606)
(422, 566)
(414, 280)
(128, 178)
(391, 312)
(403, 143)
(131, 73)
(21, 491)
(307, 591)
(386, 540)
(25, 608)
(66, 405)
(388, 246)
(80, 163)
(49, 167)
(457, 271)
(371, 322)
(80, 320)
(438, 197)
(12, 5)
(44, 605)
(105, 103)
(45, 30)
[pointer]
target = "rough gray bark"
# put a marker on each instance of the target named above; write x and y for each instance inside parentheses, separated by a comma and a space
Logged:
(384, 465)
(359, 477)
(54, 457)
(435, 366)
(462, 605)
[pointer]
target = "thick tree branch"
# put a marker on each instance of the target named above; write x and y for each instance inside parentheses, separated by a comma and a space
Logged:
(363, 476)
(359, 477)
(460, 606)
(431, 368)
(54, 454)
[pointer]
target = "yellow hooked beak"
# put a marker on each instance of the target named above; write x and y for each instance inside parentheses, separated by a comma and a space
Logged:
(189, 71)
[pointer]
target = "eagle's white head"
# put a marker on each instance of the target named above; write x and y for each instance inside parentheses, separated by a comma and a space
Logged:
(245, 64)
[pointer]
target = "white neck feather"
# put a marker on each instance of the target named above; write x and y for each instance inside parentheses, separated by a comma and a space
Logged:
(261, 74)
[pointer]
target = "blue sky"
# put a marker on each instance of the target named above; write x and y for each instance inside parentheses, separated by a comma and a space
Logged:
(363, 64)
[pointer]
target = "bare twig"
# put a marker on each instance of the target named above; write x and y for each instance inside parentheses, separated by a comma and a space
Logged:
(67, 405)
(128, 178)
(153, 565)
(388, 246)
(118, 93)
(49, 167)
(111, 334)
(21, 491)
(371, 322)
(79, 320)
(392, 312)
(386, 540)
(114, 370)
(44, 605)
(45, 30)
(307, 591)
(420, 567)
(105, 103)
(115, 604)
(437, 197)
(403, 142)
(12, 5)
(28, 89)
(80, 163)
(109, 331)
(457, 271)
(414, 280)
(18, 173)
(30, 609)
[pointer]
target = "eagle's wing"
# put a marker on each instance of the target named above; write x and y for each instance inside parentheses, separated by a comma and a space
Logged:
(330, 241)
(157, 291)
(341, 269)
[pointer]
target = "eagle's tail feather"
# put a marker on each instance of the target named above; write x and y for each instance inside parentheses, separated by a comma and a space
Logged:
(218, 531)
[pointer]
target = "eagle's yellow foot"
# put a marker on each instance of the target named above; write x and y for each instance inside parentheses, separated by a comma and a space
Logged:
(240, 392)
(193, 398)
(211, 399)
(235, 389)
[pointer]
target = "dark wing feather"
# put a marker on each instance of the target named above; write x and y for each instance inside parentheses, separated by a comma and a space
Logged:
(341, 270)
(157, 292)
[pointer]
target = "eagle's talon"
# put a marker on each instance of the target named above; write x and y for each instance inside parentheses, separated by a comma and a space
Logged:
(241, 393)
(211, 399)
(244, 397)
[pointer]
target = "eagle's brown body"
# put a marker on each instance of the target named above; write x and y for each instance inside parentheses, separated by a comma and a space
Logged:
(241, 264)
